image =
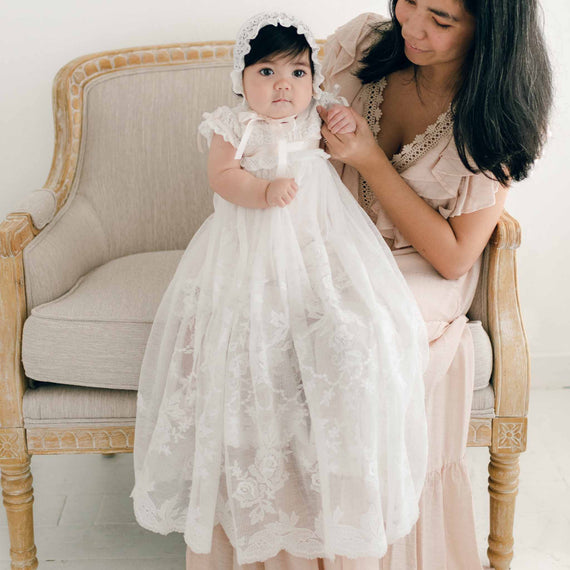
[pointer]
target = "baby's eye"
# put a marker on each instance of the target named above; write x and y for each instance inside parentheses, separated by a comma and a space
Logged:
(266, 71)
(299, 73)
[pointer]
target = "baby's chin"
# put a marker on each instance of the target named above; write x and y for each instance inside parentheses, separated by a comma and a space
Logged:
(280, 110)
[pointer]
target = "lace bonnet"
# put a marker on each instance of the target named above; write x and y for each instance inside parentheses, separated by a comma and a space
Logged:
(249, 31)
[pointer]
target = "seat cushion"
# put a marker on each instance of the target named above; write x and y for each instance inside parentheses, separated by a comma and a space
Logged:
(95, 336)
(483, 354)
(56, 405)
(53, 405)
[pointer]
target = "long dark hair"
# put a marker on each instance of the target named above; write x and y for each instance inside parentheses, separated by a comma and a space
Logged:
(277, 40)
(502, 106)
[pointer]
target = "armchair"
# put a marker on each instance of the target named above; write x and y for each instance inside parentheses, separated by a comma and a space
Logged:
(84, 262)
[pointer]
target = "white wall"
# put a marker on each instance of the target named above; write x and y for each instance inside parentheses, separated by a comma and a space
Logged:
(38, 37)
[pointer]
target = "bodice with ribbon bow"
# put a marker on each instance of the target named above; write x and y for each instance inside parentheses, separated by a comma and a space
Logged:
(282, 130)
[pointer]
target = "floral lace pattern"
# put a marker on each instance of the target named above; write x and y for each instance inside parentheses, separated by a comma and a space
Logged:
(282, 358)
(373, 113)
(423, 142)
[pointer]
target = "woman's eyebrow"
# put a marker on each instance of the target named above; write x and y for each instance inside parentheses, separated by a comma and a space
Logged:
(443, 14)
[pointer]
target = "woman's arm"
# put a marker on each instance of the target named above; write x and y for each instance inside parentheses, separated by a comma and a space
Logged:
(228, 179)
(452, 246)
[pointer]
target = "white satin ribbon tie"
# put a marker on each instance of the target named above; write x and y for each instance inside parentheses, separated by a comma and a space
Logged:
(283, 148)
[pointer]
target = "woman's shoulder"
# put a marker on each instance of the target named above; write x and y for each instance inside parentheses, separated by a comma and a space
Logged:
(358, 34)
(355, 30)
(346, 46)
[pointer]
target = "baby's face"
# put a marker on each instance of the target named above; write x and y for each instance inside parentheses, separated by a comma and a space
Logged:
(280, 86)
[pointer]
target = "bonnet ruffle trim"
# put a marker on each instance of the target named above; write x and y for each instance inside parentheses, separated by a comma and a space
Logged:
(249, 31)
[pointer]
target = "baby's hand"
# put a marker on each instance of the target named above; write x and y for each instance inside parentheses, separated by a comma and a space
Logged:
(340, 120)
(280, 192)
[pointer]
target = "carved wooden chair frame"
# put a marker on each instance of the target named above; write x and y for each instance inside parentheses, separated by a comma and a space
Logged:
(505, 434)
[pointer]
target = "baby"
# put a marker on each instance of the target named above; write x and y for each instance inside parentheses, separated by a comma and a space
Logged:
(282, 381)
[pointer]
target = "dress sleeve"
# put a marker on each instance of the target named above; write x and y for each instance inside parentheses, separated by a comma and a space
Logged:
(327, 99)
(343, 50)
(223, 121)
(468, 191)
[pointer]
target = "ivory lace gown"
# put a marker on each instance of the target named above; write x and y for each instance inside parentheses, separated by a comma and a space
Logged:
(444, 535)
(281, 392)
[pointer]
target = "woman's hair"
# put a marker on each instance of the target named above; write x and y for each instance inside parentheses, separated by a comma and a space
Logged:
(502, 106)
(278, 41)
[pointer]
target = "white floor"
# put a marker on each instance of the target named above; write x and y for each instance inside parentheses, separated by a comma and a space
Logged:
(84, 520)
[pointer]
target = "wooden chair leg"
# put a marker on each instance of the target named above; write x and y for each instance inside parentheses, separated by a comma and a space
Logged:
(18, 495)
(503, 488)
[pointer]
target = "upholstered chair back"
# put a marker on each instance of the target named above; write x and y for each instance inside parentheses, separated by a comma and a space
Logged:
(135, 180)
(140, 180)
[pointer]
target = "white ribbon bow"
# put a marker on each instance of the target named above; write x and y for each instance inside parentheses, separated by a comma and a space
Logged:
(280, 126)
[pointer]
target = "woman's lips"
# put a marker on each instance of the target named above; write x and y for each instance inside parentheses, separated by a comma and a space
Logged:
(413, 48)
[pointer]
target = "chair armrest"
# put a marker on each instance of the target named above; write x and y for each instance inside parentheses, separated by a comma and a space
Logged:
(15, 232)
(40, 204)
(53, 233)
(511, 363)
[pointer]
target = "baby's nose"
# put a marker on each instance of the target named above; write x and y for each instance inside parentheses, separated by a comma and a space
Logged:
(282, 83)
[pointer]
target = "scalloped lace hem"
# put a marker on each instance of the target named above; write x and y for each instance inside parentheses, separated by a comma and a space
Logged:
(308, 546)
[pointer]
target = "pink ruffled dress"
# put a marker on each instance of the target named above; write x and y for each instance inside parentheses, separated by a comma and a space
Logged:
(444, 536)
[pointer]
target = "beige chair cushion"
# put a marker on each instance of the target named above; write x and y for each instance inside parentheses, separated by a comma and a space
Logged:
(95, 335)
(57, 405)
(483, 354)
(141, 182)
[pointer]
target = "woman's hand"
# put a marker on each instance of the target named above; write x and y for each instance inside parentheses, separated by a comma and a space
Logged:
(358, 149)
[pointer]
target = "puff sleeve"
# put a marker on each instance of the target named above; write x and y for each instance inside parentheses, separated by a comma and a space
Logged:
(343, 50)
(468, 191)
(327, 99)
(440, 178)
(223, 121)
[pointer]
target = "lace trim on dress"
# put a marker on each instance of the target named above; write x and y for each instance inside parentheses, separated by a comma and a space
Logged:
(373, 114)
(424, 142)
(374, 105)
(410, 152)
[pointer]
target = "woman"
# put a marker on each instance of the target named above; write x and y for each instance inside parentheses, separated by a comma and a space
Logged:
(451, 100)
(435, 211)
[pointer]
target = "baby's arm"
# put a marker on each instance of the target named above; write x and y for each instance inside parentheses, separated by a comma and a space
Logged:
(240, 187)
(340, 119)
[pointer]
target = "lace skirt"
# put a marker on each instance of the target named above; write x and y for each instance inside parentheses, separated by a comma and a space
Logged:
(281, 392)
(444, 536)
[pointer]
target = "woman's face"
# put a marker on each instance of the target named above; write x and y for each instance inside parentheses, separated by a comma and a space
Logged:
(436, 32)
